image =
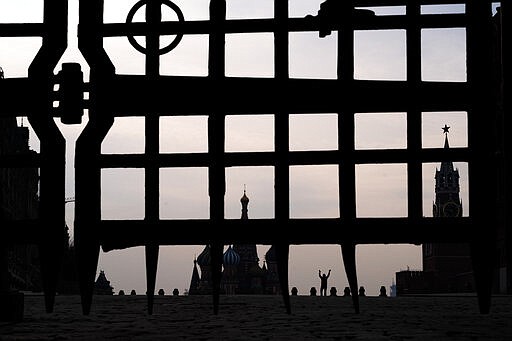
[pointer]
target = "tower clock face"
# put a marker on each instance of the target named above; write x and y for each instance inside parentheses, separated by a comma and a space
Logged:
(451, 209)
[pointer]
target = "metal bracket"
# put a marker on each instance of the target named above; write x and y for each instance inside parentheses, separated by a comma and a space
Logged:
(70, 93)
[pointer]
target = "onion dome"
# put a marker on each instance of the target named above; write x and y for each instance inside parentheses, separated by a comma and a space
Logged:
(231, 257)
(244, 199)
(245, 202)
(270, 256)
(204, 257)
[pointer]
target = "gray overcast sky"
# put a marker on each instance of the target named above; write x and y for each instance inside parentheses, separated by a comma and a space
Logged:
(381, 189)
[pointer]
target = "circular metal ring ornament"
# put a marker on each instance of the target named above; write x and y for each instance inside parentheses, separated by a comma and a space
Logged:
(173, 44)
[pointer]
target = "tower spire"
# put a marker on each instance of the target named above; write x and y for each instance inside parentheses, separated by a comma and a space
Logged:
(245, 202)
(447, 189)
(446, 129)
(446, 166)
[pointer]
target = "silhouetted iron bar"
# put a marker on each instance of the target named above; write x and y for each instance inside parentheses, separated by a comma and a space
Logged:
(120, 234)
(346, 138)
(282, 147)
(400, 22)
(378, 3)
(216, 138)
(479, 74)
(152, 174)
(270, 25)
(414, 126)
(295, 158)
(138, 96)
(23, 30)
(504, 124)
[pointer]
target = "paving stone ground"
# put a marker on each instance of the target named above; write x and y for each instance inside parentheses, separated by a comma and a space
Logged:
(264, 318)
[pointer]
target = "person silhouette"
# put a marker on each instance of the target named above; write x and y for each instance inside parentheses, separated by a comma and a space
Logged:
(323, 282)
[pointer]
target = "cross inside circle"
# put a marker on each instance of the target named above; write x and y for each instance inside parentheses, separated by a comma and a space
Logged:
(173, 44)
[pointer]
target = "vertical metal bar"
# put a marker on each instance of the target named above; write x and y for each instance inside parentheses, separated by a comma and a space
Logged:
(152, 174)
(346, 166)
(507, 143)
(482, 146)
(216, 140)
(345, 65)
(282, 148)
(216, 126)
(88, 148)
(414, 166)
(52, 169)
(153, 17)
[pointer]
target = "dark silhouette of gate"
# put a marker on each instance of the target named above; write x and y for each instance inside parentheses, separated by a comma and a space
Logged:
(152, 96)
(33, 97)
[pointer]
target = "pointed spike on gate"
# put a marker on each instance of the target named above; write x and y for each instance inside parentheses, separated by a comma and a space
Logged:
(150, 297)
(87, 260)
(50, 262)
(151, 269)
(348, 251)
(282, 254)
(482, 261)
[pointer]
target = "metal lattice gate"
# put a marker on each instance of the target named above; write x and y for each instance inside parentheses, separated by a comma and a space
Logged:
(114, 95)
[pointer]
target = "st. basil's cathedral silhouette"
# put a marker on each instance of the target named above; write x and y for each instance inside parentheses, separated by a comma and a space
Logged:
(242, 273)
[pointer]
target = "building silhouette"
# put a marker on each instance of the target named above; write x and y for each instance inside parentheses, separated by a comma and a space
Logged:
(102, 285)
(19, 200)
(194, 282)
(242, 273)
(446, 266)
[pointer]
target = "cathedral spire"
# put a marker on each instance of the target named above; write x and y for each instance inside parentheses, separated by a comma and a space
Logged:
(194, 282)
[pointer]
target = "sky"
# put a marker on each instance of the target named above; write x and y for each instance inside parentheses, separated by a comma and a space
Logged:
(381, 189)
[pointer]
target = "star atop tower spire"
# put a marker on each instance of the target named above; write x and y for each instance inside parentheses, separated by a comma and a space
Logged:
(446, 129)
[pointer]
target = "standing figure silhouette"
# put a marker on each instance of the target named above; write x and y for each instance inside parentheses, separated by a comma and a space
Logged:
(323, 282)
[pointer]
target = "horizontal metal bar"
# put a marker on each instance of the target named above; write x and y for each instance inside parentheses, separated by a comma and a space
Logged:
(135, 95)
(120, 234)
(379, 3)
(23, 30)
(294, 158)
(308, 24)
(177, 95)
